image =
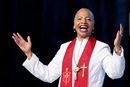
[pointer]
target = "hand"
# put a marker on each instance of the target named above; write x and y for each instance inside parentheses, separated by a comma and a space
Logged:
(25, 46)
(118, 38)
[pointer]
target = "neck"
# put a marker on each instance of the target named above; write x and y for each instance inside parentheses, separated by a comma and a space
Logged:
(81, 38)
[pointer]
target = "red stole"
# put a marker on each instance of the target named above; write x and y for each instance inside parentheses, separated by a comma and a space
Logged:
(66, 78)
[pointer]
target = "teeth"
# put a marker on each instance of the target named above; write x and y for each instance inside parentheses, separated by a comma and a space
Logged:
(84, 27)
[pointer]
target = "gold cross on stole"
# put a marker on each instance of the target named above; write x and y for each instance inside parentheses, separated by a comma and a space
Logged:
(83, 67)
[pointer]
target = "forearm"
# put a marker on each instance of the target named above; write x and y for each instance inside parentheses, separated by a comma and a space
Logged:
(35, 67)
(39, 70)
(116, 65)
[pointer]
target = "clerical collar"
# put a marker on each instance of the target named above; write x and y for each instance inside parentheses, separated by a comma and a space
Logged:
(85, 39)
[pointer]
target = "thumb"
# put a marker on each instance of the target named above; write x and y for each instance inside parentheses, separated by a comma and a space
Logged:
(28, 39)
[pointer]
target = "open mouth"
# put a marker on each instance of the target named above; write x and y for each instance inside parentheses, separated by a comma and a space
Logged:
(83, 27)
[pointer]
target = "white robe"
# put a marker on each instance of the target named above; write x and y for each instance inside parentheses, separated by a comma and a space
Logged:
(101, 62)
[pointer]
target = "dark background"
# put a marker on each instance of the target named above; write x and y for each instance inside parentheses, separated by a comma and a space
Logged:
(50, 23)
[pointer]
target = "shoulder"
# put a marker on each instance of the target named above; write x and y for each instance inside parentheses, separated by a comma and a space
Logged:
(63, 47)
(100, 48)
(65, 44)
(101, 45)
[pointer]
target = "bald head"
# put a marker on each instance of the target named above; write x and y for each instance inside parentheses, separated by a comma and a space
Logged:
(86, 10)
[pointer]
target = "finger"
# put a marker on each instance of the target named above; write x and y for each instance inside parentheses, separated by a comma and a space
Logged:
(20, 37)
(16, 37)
(15, 40)
(121, 30)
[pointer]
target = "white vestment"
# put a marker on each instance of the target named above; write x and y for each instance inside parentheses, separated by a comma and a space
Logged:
(101, 62)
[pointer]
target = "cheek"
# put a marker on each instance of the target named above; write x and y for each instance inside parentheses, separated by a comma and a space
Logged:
(76, 24)
(92, 25)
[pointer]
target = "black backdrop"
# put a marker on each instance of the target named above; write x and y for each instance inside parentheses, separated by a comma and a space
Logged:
(50, 23)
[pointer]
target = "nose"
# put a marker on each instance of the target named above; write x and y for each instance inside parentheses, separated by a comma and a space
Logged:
(84, 21)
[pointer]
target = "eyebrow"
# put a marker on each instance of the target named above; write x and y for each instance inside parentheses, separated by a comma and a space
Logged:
(81, 17)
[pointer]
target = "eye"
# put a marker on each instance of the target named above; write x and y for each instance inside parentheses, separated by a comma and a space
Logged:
(88, 19)
(79, 18)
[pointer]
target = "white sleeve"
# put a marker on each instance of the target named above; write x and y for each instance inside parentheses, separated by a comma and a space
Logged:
(46, 73)
(113, 64)
(37, 68)
(43, 72)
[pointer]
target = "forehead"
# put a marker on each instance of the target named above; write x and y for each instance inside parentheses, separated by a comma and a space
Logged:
(83, 12)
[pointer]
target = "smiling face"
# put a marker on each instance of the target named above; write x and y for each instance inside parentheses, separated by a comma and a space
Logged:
(84, 23)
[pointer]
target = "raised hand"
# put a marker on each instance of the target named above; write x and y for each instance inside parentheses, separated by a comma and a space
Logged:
(118, 38)
(25, 46)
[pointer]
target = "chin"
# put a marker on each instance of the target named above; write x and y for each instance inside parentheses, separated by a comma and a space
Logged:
(85, 35)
